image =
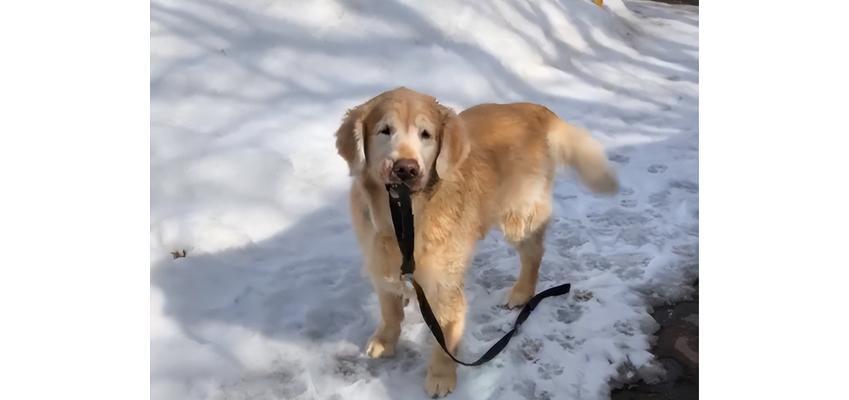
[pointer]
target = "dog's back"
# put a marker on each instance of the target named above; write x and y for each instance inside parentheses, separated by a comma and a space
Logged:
(520, 145)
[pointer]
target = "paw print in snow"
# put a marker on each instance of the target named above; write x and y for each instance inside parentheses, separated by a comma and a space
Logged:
(583, 295)
(657, 168)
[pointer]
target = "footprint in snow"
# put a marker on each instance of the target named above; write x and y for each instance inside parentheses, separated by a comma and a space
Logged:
(617, 218)
(628, 203)
(353, 368)
(657, 168)
(569, 314)
(659, 199)
(548, 371)
(493, 331)
(583, 295)
(688, 186)
(527, 389)
(686, 250)
(634, 236)
(493, 279)
(560, 196)
(566, 243)
(619, 158)
(281, 383)
(529, 348)
(567, 342)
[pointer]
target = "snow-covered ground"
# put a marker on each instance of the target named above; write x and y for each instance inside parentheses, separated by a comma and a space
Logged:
(271, 301)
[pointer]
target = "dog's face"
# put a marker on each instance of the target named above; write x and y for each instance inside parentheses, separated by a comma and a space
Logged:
(402, 136)
(401, 142)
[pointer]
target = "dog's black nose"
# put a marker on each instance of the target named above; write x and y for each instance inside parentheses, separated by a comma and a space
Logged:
(406, 169)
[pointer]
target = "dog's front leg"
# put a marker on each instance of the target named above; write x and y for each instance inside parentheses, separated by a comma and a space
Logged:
(449, 306)
(382, 261)
(385, 337)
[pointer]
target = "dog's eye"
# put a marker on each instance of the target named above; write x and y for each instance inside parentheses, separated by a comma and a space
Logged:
(425, 134)
(385, 131)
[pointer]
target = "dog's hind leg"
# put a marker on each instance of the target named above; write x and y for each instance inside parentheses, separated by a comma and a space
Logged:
(530, 248)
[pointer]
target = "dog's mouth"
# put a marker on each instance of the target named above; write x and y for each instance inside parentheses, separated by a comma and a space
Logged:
(413, 186)
(414, 179)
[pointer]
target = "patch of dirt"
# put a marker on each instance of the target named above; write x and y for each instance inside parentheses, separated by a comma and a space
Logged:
(677, 350)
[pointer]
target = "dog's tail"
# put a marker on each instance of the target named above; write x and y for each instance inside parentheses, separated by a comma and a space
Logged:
(575, 147)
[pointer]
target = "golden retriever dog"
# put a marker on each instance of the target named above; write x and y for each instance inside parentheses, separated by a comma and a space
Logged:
(490, 166)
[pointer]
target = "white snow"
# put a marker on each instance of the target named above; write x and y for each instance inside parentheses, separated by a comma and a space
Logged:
(271, 301)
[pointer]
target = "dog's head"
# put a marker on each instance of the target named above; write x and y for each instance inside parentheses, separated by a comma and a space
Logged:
(402, 136)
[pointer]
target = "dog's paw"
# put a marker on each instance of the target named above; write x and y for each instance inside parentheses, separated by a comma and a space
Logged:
(519, 297)
(440, 382)
(379, 347)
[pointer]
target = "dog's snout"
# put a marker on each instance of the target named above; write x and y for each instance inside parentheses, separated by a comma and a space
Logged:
(406, 169)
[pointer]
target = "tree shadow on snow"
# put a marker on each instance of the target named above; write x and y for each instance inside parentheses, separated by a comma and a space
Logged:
(309, 273)
(305, 287)
(250, 39)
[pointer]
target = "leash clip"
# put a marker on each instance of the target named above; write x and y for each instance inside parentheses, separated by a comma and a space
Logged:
(408, 290)
(407, 277)
(407, 280)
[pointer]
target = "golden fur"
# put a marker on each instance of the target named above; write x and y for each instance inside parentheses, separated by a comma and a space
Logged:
(490, 166)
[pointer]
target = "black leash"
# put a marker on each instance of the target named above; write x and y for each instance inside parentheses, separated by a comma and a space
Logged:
(401, 208)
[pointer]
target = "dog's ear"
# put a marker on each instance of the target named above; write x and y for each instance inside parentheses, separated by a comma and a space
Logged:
(454, 143)
(350, 138)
